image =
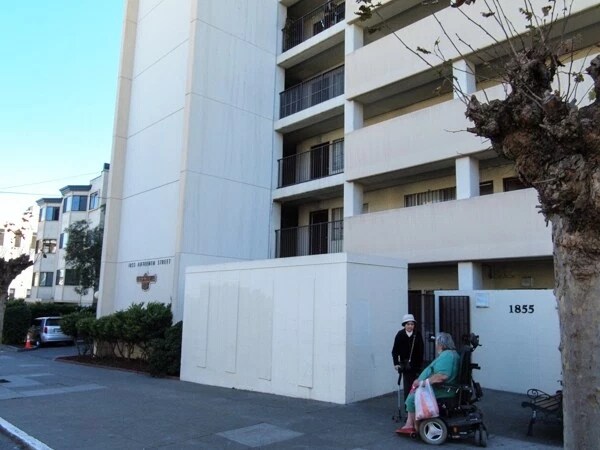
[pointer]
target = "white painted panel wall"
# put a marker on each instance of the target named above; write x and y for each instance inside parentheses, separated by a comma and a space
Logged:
(130, 291)
(162, 27)
(153, 157)
(519, 350)
(318, 327)
(148, 223)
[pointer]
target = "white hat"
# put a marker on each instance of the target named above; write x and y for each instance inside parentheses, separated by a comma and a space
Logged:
(408, 318)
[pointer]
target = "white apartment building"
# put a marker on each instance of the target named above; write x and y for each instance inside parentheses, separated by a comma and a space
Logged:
(52, 279)
(18, 238)
(265, 129)
(262, 129)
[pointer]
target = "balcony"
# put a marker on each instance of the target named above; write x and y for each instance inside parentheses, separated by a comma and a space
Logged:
(498, 226)
(312, 92)
(321, 161)
(315, 239)
(314, 22)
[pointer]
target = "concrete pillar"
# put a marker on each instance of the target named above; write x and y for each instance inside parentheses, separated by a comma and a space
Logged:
(353, 116)
(353, 120)
(353, 199)
(353, 38)
(467, 177)
(469, 276)
(464, 77)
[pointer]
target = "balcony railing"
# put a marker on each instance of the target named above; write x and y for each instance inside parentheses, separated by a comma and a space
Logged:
(322, 161)
(312, 92)
(316, 239)
(322, 17)
(435, 196)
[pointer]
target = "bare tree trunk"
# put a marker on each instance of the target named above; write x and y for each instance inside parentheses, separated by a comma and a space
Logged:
(577, 277)
(3, 299)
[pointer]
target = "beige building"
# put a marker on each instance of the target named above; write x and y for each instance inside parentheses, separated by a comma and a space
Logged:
(52, 279)
(270, 129)
(286, 127)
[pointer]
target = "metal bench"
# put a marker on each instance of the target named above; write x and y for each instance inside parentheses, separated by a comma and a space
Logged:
(550, 406)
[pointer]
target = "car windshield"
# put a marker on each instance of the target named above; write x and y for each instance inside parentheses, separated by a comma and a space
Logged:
(53, 322)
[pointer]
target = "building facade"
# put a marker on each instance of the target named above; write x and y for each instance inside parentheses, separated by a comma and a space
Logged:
(52, 279)
(16, 239)
(279, 128)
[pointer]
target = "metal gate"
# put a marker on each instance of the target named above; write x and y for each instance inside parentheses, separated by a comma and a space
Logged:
(421, 304)
(455, 317)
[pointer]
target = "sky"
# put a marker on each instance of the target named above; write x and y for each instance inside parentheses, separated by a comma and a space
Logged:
(58, 82)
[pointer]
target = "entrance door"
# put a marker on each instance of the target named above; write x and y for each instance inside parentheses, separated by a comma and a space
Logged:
(455, 317)
(318, 232)
(421, 304)
(319, 161)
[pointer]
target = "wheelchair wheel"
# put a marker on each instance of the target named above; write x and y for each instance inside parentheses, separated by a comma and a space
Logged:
(481, 436)
(433, 431)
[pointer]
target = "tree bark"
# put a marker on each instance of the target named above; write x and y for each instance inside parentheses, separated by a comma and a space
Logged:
(556, 150)
(577, 278)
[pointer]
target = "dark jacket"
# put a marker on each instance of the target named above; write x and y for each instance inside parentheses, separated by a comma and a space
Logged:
(402, 346)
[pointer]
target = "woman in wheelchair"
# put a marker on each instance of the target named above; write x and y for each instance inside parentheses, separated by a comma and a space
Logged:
(443, 369)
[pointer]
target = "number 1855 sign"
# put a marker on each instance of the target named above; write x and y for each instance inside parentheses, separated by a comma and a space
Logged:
(521, 309)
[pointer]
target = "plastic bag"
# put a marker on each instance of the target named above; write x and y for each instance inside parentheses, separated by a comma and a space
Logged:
(426, 406)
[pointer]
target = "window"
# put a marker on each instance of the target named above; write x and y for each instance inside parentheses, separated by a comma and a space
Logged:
(512, 184)
(33, 241)
(486, 188)
(18, 238)
(63, 240)
(435, 196)
(60, 277)
(48, 246)
(75, 203)
(70, 277)
(2, 236)
(42, 279)
(28, 293)
(94, 200)
(337, 157)
(49, 213)
(337, 235)
(11, 294)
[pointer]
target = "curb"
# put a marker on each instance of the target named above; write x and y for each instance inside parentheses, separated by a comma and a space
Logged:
(21, 437)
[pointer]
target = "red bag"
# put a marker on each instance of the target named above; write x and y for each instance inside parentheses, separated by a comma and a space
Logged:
(425, 404)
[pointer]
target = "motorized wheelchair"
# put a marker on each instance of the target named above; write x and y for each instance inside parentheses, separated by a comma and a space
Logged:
(459, 416)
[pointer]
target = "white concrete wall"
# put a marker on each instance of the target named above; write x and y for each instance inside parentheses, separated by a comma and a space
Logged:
(317, 327)
(453, 231)
(519, 350)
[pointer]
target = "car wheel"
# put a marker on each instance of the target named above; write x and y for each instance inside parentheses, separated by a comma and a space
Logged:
(433, 431)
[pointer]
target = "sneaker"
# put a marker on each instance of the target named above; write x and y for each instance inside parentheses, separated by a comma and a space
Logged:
(406, 430)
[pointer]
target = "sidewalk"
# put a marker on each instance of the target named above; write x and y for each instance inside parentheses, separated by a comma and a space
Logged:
(68, 406)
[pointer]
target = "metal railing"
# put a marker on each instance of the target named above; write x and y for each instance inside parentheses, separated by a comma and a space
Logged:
(315, 239)
(322, 17)
(312, 92)
(434, 196)
(322, 161)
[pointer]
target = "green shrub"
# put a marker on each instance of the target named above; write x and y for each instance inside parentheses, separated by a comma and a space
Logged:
(43, 309)
(164, 356)
(68, 324)
(17, 319)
